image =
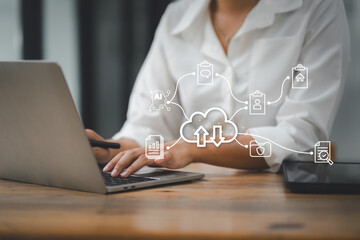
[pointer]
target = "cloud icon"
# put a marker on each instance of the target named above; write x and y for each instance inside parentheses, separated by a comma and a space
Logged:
(209, 127)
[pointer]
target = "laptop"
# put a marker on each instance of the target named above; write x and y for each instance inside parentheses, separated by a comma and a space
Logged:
(42, 139)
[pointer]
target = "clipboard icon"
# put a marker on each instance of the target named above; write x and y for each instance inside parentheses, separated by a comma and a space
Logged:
(205, 73)
(300, 77)
(257, 103)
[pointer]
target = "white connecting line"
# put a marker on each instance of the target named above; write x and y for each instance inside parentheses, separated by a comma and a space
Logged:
(168, 102)
(177, 83)
(245, 146)
(244, 108)
(291, 150)
(168, 147)
(218, 75)
(281, 93)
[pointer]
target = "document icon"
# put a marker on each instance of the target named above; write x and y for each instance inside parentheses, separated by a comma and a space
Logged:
(154, 147)
(300, 77)
(322, 152)
(205, 74)
(257, 103)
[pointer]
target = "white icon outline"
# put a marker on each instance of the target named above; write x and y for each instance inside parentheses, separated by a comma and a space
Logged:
(217, 129)
(165, 102)
(257, 98)
(300, 74)
(201, 132)
(322, 154)
(258, 146)
(203, 78)
(159, 147)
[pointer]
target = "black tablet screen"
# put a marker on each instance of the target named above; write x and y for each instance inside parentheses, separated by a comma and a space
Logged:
(309, 172)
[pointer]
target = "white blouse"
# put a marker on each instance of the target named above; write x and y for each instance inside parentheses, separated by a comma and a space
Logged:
(276, 36)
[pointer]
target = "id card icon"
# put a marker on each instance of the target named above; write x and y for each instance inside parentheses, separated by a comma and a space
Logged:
(300, 77)
(154, 147)
(257, 103)
(322, 152)
(205, 73)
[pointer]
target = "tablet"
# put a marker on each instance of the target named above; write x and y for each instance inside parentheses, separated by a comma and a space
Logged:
(310, 177)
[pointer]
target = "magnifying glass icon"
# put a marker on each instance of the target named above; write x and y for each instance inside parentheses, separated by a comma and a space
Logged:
(329, 161)
(325, 155)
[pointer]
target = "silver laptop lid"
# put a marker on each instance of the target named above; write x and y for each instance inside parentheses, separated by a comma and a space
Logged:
(42, 139)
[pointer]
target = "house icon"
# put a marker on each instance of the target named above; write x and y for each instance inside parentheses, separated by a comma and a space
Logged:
(300, 78)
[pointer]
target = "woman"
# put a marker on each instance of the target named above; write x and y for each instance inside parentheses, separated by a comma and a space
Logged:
(253, 46)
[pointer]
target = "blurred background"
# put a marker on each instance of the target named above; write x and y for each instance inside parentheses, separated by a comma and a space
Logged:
(101, 46)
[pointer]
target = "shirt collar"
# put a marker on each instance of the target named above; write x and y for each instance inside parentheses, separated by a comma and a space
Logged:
(196, 10)
(261, 16)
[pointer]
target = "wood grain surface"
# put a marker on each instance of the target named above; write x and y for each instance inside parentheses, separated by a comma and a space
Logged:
(227, 204)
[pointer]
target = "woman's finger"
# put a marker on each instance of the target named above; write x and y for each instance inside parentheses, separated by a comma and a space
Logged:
(91, 134)
(100, 151)
(167, 157)
(113, 162)
(128, 157)
(142, 161)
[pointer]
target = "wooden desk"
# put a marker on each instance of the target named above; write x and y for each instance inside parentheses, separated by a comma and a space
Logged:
(228, 204)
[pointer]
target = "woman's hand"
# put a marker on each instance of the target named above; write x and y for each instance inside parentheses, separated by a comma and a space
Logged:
(132, 160)
(102, 155)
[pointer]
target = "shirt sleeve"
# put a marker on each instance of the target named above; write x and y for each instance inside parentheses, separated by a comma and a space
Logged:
(154, 75)
(306, 116)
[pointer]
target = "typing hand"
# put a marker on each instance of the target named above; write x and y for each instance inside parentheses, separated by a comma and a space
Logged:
(130, 161)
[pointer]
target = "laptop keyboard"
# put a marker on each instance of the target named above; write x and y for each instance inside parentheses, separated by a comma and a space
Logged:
(115, 181)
